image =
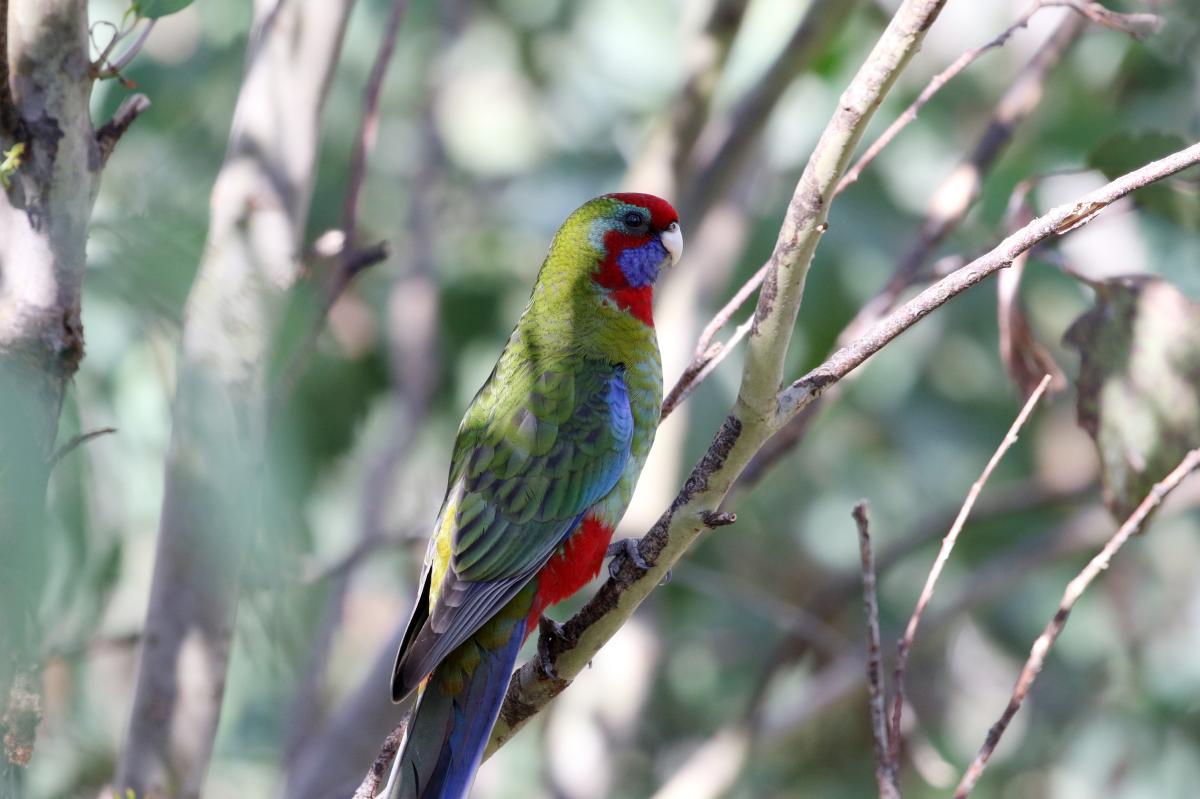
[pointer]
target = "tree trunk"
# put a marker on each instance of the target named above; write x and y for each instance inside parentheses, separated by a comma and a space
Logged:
(45, 83)
(213, 494)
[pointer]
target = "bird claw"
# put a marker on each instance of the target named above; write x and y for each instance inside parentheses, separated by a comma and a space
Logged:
(628, 547)
(548, 630)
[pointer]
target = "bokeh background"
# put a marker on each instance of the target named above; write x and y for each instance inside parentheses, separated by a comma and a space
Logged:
(743, 677)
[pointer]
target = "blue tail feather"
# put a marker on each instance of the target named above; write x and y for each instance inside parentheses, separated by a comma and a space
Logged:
(447, 734)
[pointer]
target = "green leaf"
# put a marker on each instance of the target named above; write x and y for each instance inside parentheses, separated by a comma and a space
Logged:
(1139, 383)
(153, 9)
(1124, 152)
(11, 162)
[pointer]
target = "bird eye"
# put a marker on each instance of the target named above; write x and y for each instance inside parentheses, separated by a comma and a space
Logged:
(634, 219)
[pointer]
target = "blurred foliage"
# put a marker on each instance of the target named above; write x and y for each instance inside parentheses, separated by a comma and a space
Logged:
(534, 106)
(1139, 383)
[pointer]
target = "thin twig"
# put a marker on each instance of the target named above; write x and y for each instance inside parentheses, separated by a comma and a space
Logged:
(1075, 588)
(904, 646)
(885, 767)
(705, 352)
(114, 67)
(961, 188)
(108, 134)
(721, 162)
(951, 202)
(1058, 221)
(77, 441)
(364, 142)
(1140, 25)
(1027, 85)
(350, 259)
(700, 368)
(934, 86)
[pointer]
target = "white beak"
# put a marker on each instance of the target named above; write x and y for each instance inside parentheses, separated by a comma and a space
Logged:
(672, 239)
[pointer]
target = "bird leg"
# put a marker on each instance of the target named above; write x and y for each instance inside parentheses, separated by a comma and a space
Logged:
(550, 632)
(629, 547)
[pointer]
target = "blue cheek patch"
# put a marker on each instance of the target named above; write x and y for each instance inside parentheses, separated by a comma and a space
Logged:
(640, 264)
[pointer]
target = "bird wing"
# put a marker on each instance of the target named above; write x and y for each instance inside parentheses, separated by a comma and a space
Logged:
(535, 451)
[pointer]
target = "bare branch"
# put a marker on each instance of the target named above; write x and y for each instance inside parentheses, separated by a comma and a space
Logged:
(1024, 358)
(1057, 221)
(364, 143)
(957, 194)
(933, 87)
(341, 247)
(78, 441)
(885, 767)
(1037, 655)
(1139, 26)
(904, 646)
(721, 149)
(754, 727)
(108, 134)
(951, 202)
(701, 367)
(112, 69)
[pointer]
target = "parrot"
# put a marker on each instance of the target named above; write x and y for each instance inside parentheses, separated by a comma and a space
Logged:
(543, 467)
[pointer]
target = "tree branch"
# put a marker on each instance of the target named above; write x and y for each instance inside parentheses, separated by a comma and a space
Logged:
(951, 202)
(904, 646)
(1057, 221)
(934, 86)
(952, 199)
(341, 248)
(76, 442)
(379, 769)
(957, 194)
(368, 126)
(885, 767)
(1037, 655)
(108, 134)
(45, 208)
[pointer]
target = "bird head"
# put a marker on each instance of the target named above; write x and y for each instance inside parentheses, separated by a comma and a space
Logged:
(625, 240)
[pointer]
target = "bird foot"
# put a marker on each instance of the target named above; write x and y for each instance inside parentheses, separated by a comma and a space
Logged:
(628, 547)
(549, 631)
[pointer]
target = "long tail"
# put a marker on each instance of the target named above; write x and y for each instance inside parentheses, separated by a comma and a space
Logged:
(453, 720)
